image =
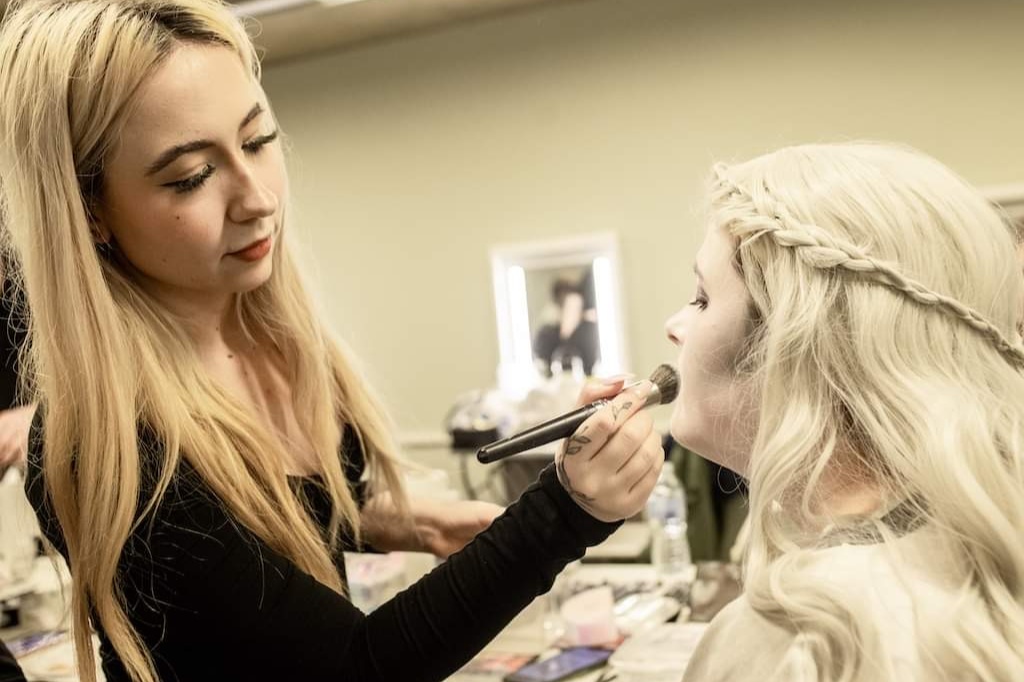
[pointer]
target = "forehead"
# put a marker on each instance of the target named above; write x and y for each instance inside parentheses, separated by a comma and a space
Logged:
(200, 91)
(716, 253)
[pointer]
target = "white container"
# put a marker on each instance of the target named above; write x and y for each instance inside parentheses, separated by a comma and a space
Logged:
(658, 655)
(18, 530)
(374, 578)
(589, 618)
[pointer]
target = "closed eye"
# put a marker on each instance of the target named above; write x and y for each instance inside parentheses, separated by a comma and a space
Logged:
(192, 182)
(254, 145)
(196, 181)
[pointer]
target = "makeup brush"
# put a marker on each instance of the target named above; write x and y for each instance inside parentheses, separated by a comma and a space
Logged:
(666, 387)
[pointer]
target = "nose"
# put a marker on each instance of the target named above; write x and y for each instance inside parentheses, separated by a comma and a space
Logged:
(674, 328)
(252, 199)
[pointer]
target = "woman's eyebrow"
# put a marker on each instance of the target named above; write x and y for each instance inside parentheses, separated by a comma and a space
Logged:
(170, 155)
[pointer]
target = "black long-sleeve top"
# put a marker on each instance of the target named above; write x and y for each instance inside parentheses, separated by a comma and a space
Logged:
(213, 602)
(12, 338)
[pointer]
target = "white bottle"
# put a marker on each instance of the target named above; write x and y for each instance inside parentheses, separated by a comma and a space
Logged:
(666, 514)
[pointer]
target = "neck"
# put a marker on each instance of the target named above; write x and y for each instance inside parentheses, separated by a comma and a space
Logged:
(841, 494)
(211, 320)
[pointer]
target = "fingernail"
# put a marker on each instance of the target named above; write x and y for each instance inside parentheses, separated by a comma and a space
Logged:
(642, 388)
(618, 378)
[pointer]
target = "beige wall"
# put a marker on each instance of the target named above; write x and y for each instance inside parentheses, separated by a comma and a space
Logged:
(412, 157)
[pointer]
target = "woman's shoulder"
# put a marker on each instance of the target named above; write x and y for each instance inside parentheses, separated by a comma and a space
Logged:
(909, 576)
(184, 481)
(718, 658)
(151, 451)
(895, 588)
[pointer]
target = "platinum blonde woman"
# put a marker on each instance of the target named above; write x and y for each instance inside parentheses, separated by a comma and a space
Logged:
(199, 449)
(853, 350)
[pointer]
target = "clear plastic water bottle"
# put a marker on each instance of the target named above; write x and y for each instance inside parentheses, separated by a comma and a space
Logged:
(666, 514)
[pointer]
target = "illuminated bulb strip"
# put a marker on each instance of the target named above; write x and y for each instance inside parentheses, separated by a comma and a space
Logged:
(608, 324)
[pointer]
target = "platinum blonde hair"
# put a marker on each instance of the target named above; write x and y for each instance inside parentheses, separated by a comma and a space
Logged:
(886, 294)
(107, 359)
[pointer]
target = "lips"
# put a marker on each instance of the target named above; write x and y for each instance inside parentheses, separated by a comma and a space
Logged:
(254, 251)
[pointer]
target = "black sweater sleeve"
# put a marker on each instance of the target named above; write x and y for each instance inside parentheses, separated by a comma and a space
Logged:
(212, 602)
(12, 338)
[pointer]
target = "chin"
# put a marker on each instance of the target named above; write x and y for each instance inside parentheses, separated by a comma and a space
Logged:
(254, 280)
(682, 430)
(694, 438)
(688, 441)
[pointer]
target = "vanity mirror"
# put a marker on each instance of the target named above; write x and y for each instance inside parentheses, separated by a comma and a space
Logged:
(558, 307)
(1010, 198)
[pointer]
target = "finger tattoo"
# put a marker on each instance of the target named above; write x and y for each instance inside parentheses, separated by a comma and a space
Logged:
(576, 442)
(563, 476)
(619, 409)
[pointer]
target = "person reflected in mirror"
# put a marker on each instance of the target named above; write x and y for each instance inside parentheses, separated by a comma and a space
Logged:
(572, 338)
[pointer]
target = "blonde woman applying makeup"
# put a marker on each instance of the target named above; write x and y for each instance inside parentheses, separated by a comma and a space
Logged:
(200, 447)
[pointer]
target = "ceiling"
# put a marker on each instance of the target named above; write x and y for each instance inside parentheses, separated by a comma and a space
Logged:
(292, 29)
(306, 27)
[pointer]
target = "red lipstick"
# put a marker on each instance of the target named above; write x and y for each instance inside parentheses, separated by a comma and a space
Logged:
(254, 251)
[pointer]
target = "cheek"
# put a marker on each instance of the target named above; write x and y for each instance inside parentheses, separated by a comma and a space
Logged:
(178, 233)
(170, 243)
(712, 416)
(165, 235)
(719, 425)
(702, 395)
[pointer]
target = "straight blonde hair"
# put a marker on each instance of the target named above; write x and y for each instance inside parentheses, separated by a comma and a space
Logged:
(886, 293)
(107, 359)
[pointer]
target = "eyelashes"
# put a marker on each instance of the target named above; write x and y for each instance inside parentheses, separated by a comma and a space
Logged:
(258, 143)
(194, 182)
(700, 300)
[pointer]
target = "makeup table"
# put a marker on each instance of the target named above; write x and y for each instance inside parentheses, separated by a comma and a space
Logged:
(533, 633)
(536, 630)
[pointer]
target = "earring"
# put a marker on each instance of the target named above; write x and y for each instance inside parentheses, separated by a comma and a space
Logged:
(104, 249)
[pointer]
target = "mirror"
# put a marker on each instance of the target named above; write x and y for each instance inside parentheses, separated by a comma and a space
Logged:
(558, 309)
(1010, 198)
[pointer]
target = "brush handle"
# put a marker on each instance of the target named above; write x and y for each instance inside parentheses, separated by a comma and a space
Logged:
(546, 432)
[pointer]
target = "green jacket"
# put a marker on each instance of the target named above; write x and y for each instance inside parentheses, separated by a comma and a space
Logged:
(716, 503)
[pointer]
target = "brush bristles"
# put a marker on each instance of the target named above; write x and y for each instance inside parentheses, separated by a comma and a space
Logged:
(666, 378)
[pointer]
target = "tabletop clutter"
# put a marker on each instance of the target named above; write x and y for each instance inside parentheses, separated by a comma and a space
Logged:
(643, 626)
(646, 628)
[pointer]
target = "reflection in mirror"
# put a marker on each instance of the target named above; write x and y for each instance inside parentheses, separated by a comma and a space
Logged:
(558, 309)
(1009, 198)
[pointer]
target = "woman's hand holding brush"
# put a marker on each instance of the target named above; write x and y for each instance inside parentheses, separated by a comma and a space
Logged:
(610, 464)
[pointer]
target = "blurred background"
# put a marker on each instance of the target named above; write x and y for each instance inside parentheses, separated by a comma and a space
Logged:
(495, 199)
(427, 136)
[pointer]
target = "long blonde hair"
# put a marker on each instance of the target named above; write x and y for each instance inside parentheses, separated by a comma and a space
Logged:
(886, 293)
(107, 359)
